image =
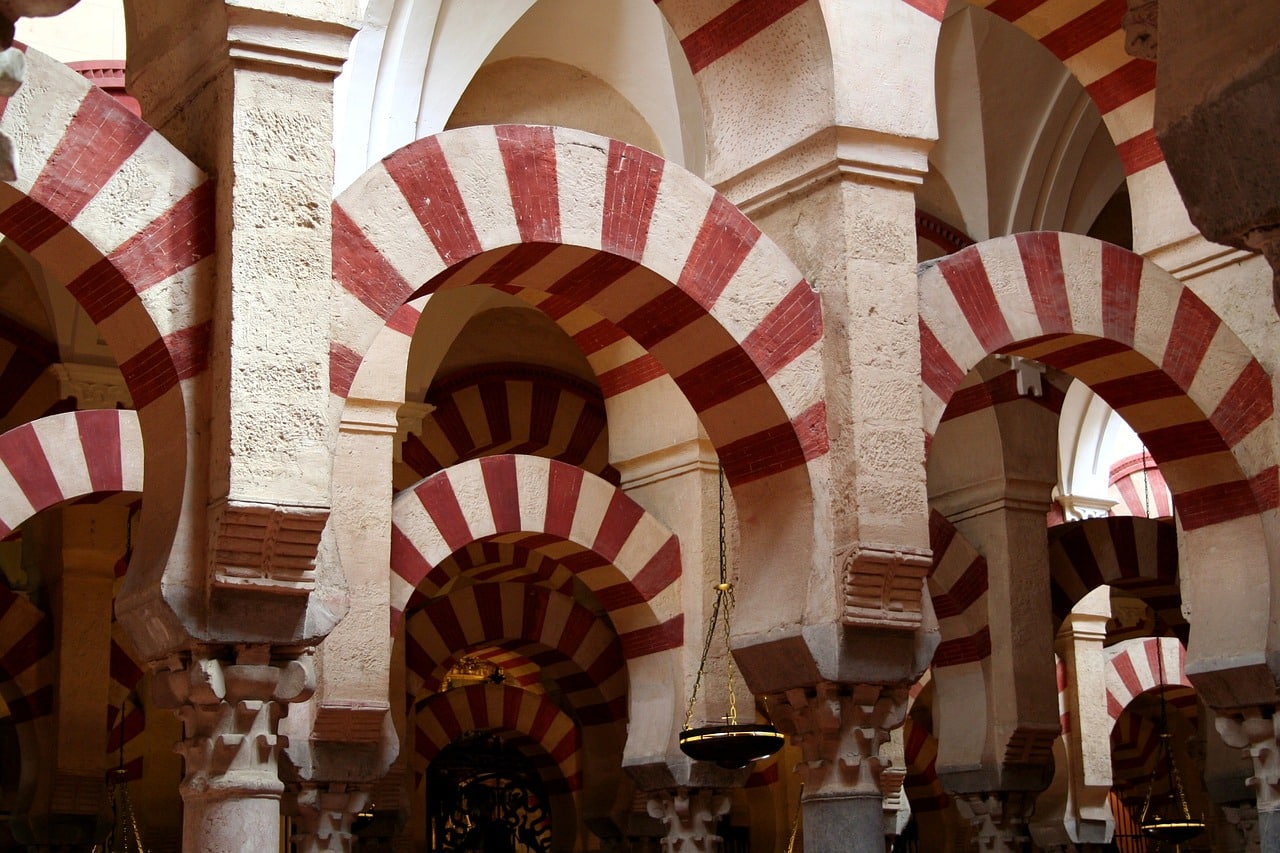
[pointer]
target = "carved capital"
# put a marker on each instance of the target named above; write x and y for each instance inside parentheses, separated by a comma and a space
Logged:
(265, 547)
(230, 713)
(1242, 818)
(1141, 32)
(840, 729)
(999, 819)
(325, 814)
(884, 586)
(690, 815)
(1253, 731)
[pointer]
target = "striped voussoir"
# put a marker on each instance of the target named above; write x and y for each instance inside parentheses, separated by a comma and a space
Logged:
(83, 159)
(530, 722)
(492, 411)
(545, 636)
(605, 225)
(26, 658)
(958, 589)
(1146, 344)
(1088, 37)
(126, 673)
(634, 559)
(1140, 487)
(1133, 668)
(64, 457)
(922, 786)
(1138, 555)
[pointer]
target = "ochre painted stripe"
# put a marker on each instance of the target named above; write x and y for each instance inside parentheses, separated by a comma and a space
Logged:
(720, 378)
(426, 180)
(1140, 152)
(1012, 10)
(1131, 80)
(529, 157)
(1191, 333)
(362, 270)
(99, 431)
(1183, 441)
(591, 277)
(727, 31)
(661, 317)
(723, 242)
(967, 277)
(655, 638)
(789, 329)
(1125, 391)
(631, 185)
(633, 374)
(515, 263)
(1086, 30)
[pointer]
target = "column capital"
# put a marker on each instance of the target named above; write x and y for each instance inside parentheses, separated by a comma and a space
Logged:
(999, 818)
(1253, 731)
(286, 42)
(840, 729)
(325, 813)
(690, 815)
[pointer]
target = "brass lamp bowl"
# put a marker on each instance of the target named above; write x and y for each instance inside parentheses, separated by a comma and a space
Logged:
(731, 747)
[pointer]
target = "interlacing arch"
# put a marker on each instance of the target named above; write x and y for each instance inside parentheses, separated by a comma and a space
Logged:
(569, 645)
(1146, 344)
(530, 722)
(638, 557)
(645, 245)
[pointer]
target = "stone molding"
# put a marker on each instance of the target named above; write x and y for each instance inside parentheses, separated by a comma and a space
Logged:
(1253, 731)
(350, 722)
(265, 547)
(884, 586)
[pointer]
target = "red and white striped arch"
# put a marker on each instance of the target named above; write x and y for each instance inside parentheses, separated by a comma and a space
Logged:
(1134, 667)
(958, 589)
(63, 457)
(530, 721)
(571, 647)
(1146, 344)
(26, 658)
(1138, 555)
(108, 206)
(636, 559)
(510, 409)
(1136, 482)
(1088, 37)
(642, 243)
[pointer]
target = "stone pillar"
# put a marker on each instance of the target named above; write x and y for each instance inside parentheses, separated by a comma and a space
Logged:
(230, 713)
(75, 552)
(1253, 730)
(324, 815)
(690, 815)
(840, 729)
(999, 820)
(1242, 823)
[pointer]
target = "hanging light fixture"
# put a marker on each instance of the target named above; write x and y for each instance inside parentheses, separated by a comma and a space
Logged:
(729, 744)
(1167, 818)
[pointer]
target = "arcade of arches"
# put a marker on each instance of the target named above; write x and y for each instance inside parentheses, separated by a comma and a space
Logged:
(370, 371)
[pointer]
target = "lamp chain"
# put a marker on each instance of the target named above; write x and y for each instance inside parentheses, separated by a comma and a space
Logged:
(723, 600)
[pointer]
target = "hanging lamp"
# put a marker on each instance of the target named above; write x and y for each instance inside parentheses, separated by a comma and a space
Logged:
(728, 744)
(1167, 819)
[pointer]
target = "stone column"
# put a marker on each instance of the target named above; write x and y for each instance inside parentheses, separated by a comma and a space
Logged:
(230, 713)
(324, 815)
(1242, 823)
(1253, 730)
(999, 820)
(690, 815)
(840, 729)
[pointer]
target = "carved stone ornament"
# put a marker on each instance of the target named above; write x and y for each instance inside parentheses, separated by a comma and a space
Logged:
(884, 586)
(999, 819)
(325, 814)
(1141, 33)
(265, 547)
(1254, 732)
(690, 815)
(840, 729)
